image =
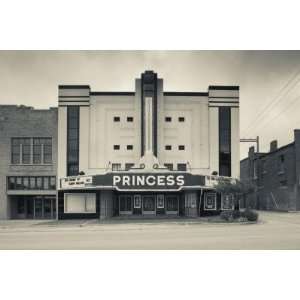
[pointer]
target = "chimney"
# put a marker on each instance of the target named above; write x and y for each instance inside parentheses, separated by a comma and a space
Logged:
(251, 153)
(273, 146)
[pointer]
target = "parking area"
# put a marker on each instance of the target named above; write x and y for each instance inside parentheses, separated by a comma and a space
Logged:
(274, 231)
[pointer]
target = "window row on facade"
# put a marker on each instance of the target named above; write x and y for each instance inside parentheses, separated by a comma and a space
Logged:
(31, 150)
(130, 119)
(167, 147)
(128, 166)
(118, 147)
(169, 119)
(118, 119)
(180, 147)
(31, 183)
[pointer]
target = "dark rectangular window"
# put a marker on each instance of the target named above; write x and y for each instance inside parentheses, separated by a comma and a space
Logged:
(181, 167)
(46, 183)
(72, 141)
(116, 119)
(128, 166)
(116, 167)
(116, 147)
(19, 184)
(52, 183)
(168, 147)
(129, 119)
(47, 150)
(181, 119)
(11, 183)
(283, 183)
(39, 183)
(224, 141)
(168, 119)
(37, 151)
(169, 166)
(129, 147)
(31, 183)
(26, 150)
(181, 147)
(15, 151)
(25, 183)
(281, 165)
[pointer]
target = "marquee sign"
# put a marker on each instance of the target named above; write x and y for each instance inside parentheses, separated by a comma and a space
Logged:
(148, 181)
(136, 181)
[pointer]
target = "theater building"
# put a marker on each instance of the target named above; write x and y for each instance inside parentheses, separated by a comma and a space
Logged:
(148, 152)
(28, 155)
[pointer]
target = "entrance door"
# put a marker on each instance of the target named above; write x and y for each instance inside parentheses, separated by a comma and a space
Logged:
(149, 205)
(47, 208)
(38, 208)
(172, 205)
(125, 205)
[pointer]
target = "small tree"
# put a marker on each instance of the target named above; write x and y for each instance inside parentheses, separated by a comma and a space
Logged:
(239, 189)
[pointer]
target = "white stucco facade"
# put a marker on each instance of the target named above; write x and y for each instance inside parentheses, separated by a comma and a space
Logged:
(193, 125)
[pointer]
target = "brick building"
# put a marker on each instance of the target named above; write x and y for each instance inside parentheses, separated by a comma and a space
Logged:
(276, 176)
(28, 156)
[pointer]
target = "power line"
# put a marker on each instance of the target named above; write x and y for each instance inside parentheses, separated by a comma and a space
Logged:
(281, 112)
(272, 103)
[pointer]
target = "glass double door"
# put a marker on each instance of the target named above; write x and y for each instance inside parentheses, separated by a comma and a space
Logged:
(41, 207)
(137, 204)
(148, 205)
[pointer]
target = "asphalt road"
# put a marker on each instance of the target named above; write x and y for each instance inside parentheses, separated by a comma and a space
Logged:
(274, 231)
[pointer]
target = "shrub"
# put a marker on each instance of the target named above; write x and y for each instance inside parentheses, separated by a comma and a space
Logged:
(226, 215)
(236, 214)
(250, 215)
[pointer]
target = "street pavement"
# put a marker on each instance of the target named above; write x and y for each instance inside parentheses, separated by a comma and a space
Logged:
(274, 231)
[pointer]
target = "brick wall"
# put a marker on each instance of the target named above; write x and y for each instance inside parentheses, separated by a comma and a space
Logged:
(275, 189)
(21, 121)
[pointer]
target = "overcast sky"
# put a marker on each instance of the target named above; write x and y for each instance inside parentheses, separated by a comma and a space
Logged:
(269, 80)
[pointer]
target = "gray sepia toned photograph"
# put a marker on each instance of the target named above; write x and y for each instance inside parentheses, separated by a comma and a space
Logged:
(150, 150)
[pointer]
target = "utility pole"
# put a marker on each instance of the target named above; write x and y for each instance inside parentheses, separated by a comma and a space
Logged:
(252, 141)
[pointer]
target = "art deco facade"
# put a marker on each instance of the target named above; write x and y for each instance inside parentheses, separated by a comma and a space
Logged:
(145, 152)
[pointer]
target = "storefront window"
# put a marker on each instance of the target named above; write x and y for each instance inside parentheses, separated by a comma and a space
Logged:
(148, 203)
(227, 202)
(160, 201)
(172, 203)
(137, 201)
(210, 201)
(125, 203)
